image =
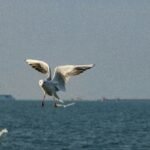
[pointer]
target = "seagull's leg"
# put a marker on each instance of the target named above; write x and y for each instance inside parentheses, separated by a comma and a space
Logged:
(55, 105)
(58, 99)
(43, 100)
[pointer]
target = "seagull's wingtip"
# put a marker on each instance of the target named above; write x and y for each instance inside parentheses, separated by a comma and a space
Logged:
(28, 60)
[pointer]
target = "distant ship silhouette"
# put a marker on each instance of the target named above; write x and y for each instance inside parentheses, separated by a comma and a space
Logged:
(6, 97)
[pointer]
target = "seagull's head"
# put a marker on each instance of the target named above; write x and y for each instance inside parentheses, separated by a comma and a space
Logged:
(41, 82)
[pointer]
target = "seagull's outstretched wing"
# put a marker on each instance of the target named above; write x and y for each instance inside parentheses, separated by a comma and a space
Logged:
(63, 73)
(40, 66)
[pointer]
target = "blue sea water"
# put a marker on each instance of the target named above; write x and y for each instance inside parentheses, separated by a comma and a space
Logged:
(108, 125)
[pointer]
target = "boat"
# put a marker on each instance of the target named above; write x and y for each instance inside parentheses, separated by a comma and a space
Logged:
(6, 97)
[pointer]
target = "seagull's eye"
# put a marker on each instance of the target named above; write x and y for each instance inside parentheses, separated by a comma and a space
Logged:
(40, 82)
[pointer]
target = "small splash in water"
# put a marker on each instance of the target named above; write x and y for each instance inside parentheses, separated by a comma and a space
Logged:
(3, 131)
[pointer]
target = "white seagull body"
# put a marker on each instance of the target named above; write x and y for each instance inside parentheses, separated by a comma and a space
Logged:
(62, 74)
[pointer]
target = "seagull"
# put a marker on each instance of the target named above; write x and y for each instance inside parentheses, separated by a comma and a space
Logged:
(51, 85)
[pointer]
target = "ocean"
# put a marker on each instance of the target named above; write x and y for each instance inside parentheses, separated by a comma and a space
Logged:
(89, 125)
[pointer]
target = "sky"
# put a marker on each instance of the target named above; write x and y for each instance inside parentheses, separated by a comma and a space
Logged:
(113, 34)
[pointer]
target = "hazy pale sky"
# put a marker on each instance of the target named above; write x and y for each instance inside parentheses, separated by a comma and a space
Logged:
(113, 34)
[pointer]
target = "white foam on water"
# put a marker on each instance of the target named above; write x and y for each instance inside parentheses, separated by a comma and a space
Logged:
(3, 131)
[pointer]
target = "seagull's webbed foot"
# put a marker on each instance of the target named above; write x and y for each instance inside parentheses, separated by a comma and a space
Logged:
(55, 105)
(43, 104)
